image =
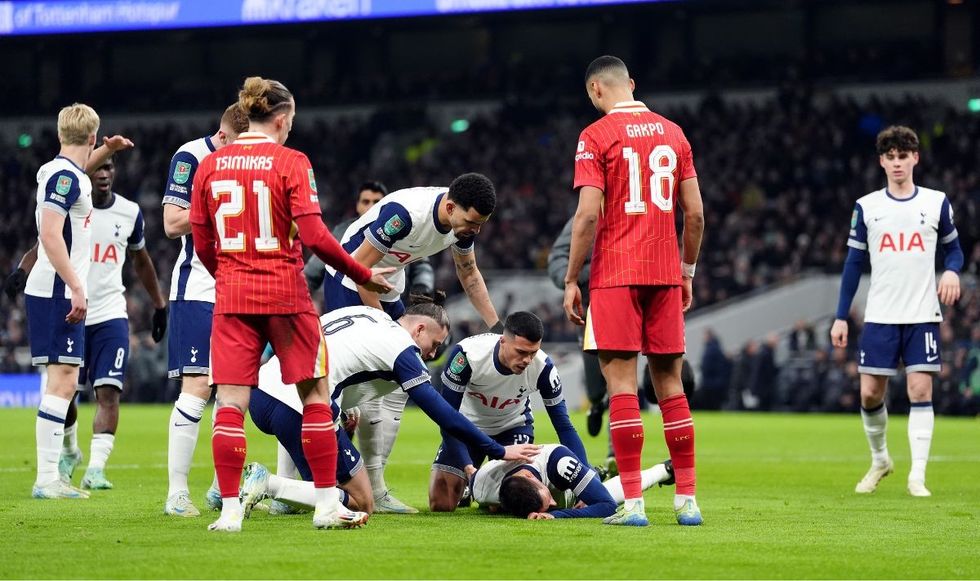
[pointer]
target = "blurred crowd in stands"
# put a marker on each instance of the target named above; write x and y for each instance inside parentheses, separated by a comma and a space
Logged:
(779, 181)
(808, 375)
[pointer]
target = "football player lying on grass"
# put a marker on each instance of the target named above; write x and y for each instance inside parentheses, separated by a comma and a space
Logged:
(530, 489)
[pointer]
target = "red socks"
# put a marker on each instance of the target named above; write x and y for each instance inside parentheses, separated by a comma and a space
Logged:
(228, 447)
(626, 434)
(679, 433)
(320, 444)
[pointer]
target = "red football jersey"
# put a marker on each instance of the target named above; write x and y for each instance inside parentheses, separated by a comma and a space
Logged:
(638, 159)
(249, 193)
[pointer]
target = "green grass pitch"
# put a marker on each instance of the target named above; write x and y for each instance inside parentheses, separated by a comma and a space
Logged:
(775, 490)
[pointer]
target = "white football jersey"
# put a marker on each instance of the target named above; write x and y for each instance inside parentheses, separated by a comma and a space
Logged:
(557, 472)
(190, 281)
(116, 229)
(63, 187)
(369, 355)
(404, 226)
(901, 236)
(495, 399)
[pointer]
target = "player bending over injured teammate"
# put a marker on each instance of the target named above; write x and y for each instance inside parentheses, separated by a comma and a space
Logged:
(370, 356)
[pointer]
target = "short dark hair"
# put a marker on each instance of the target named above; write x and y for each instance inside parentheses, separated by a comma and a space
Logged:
(897, 137)
(524, 324)
(429, 309)
(473, 190)
(605, 64)
(374, 187)
(519, 496)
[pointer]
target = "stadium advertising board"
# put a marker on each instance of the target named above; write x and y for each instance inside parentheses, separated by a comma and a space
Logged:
(66, 17)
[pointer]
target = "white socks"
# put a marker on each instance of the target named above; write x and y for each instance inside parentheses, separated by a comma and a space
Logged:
(921, 422)
(101, 448)
(648, 478)
(70, 441)
(185, 423)
(875, 428)
(284, 463)
(392, 408)
(49, 432)
(299, 493)
(370, 442)
(231, 507)
(327, 498)
(376, 433)
(680, 499)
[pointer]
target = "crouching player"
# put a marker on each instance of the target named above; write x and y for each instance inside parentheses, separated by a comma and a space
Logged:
(490, 378)
(370, 356)
(530, 490)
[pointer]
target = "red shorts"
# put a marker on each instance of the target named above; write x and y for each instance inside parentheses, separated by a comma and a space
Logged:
(648, 319)
(237, 342)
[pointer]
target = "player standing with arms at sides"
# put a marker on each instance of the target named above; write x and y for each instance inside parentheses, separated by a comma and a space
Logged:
(191, 309)
(117, 231)
(631, 169)
(250, 202)
(403, 228)
(899, 227)
(56, 294)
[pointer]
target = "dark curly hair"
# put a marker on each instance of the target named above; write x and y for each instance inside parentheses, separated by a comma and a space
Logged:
(519, 496)
(899, 138)
(473, 190)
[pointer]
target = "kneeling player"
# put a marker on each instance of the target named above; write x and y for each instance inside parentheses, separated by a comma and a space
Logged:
(370, 356)
(489, 378)
(278, 412)
(529, 490)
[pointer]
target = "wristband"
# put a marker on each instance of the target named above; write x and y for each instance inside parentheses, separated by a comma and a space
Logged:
(687, 270)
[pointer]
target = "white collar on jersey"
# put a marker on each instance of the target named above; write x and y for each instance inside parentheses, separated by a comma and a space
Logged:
(253, 137)
(629, 107)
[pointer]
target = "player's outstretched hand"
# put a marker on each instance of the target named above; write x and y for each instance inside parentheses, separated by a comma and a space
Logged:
(117, 143)
(573, 304)
(79, 307)
(159, 324)
(15, 283)
(378, 282)
(522, 452)
(838, 333)
(949, 288)
(540, 516)
(687, 293)
(349, 420)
